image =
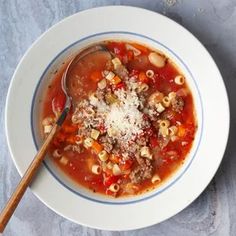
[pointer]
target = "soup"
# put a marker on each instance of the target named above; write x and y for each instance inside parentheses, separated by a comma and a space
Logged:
(132, 123)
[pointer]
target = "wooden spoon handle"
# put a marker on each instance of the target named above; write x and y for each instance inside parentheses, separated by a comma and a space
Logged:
(25, 181)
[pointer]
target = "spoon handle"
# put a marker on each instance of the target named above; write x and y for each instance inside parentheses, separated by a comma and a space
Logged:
(15, 198)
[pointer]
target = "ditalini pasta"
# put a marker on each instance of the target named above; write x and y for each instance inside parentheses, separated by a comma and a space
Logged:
(132, 123)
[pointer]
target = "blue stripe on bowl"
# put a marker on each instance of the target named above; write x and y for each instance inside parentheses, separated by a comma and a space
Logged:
(157, 192)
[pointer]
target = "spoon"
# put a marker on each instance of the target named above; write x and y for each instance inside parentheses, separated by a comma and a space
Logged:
(15, 198)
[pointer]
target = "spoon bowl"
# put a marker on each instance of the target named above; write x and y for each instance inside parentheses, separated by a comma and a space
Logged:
(69, 84)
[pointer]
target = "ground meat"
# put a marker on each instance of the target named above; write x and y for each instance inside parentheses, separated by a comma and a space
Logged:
(81, 104)
(168, 115)
(107, 142)
(84, 132)
(74, 148)
(142, 141)
(106, 139)
(142, 102)
(153, 114)
(107, 147)
(122, 72)
(109, 65)
(143, 171)
(116, 151)
(100, 94)
(163, 141)
(130, 148)
(87, 114)
(177, 104)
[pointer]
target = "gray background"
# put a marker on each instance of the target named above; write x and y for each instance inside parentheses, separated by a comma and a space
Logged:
(213, 23)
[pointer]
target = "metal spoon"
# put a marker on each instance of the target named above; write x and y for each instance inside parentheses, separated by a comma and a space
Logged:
(64, 81)
(35, 164)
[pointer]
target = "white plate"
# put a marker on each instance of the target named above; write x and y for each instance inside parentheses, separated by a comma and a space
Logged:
(210, 98)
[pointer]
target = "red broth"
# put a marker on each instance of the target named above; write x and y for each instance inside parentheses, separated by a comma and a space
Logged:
(153, 153)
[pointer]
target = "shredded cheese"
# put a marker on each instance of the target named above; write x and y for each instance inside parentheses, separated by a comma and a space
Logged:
(124, 117)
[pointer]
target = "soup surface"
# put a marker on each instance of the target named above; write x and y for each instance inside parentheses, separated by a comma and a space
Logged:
(132, 122)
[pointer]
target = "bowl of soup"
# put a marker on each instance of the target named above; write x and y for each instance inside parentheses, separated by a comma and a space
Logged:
(132, 124)
(139, 138)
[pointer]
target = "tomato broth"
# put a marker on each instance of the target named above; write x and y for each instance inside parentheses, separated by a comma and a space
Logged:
(132, 123)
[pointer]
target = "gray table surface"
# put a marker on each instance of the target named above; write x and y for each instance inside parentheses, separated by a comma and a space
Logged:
(213, 23)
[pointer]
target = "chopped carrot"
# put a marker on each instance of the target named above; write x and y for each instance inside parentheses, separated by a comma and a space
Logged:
(116, 80)
(140, 47)
(181, 131)
(110, 180)
(96, 76)
(142, 77)
(115, 159)
(97, 147)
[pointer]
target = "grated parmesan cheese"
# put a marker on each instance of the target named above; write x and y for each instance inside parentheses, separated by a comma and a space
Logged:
(124, 117)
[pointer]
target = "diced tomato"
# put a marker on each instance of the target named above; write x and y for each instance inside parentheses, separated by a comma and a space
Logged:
(177, 117)
(120, 86)
(153, 141)
(109, 192)
(110, 180)
(108, 171)
(145, 117)
(143, 78)
(60, 138)
(56, 144)
(124, 59)
(148, 131)
(174, 87)
(155, 79)
(118, 48)
(126, 165)
(130, 55)
(102, 128)
(189, 132)
(58, 103)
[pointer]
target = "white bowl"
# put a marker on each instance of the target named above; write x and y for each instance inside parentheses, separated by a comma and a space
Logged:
(55, 189)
